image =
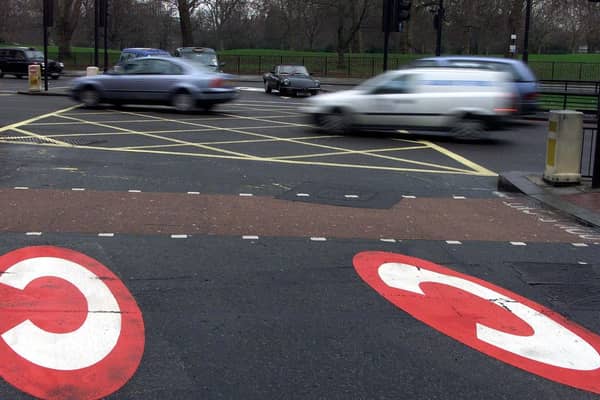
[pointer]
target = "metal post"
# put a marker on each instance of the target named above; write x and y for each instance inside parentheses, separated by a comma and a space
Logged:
(387, 16)
(105, 11)
(440, 23)
(96, 17)
(526, 38)
(46, 18)
(596, 172)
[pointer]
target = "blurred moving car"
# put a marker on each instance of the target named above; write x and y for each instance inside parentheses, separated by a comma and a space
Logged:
(524, 79)
(156, 80)
(16, 61)
(203, 55)
(466, 102)
(292, 79)
(136, 52)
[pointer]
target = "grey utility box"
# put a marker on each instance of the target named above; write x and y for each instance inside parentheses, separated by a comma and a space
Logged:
(563, 149)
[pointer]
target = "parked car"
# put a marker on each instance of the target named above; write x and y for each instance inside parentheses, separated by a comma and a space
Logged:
(292, 79)
(524, 79)
(156, 80)
(203, 55)
(466, 102)
(16, 61)
(136, 52)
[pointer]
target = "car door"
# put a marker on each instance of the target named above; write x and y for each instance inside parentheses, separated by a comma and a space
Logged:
(393, 103)
(158, 79)
(272, 78)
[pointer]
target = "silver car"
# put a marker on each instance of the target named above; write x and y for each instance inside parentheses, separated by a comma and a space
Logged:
(156, 80)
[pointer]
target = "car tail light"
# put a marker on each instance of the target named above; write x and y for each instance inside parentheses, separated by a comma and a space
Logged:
(531, 96)
(217, 83)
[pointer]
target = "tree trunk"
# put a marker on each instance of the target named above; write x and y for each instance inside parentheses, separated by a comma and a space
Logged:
(69, 12)
(185, 22)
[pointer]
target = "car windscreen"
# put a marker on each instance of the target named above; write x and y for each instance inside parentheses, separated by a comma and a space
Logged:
(293, 70)
(33, 54)
(204, 58)
(375, 81)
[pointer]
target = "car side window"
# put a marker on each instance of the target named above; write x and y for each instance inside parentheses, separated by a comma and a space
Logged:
(20, 55)
(160, 67)
(133, 67)
(398, 85)
(424, 64)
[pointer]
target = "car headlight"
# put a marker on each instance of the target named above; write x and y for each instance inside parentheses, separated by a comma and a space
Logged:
(286, 82)
(61, 65)
(318, 83)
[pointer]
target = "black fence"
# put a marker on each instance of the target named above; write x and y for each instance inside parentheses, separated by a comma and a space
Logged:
(363, 67)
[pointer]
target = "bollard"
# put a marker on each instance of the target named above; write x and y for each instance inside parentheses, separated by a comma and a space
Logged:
(35, 78)
(563, 151)
(91, 71)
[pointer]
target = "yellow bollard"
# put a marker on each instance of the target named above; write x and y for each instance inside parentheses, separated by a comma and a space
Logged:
(35, 78)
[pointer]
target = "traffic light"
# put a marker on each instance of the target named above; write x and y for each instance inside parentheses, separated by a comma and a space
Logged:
(395, 12)
(402, 10)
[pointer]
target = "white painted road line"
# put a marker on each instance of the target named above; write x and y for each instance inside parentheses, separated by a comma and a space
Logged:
(21, 188)
(580, 245)
(582, 263)
(318, 239)
(33, 233)
(106, 234)
(134, 191)
(408, 197)
(387, 240)
(193, 192)
(458, 197)
(246, 195)
(179, 236)
(351, 196)
(78, 189)
(453, 242)
(250, 237)
(302, 195)
(518, 243)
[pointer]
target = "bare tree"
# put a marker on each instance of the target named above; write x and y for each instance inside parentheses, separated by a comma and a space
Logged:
(67, 18)
(220, 13)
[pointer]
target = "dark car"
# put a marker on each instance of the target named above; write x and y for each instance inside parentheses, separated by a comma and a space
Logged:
(136, 52)
(156, 80)
(203, 55)
(16, 61)
(292, 79)
(522, 76)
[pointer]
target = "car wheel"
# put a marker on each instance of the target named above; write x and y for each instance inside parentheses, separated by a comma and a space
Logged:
(207, 107)
(267, 88)
(314, 92)
(468, 128)
(282, 91)
(183, 102)
(55, 77)
(338, 122)
(90, 97)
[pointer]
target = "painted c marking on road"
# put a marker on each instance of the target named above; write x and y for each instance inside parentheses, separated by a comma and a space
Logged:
(47, 349)
(488, 318)
(69, 327)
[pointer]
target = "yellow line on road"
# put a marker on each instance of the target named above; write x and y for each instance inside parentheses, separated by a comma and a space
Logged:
(475, 167)
(292, 162)
(168, 139)
(339, 149)
(41, 137)
(341, 153)
(39, 117)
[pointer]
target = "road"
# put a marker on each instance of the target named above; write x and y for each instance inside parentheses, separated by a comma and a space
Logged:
(235, 233)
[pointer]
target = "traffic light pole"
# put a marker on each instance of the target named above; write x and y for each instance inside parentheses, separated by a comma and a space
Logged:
(440, 23)
(526, 38)
(387, 12)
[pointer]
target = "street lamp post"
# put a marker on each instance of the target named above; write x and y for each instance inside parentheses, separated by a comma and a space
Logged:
(439, 22)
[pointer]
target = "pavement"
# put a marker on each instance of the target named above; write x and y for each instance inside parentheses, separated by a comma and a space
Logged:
(580, 200)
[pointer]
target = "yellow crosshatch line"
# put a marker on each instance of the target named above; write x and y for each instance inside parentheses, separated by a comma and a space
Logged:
(72, 117)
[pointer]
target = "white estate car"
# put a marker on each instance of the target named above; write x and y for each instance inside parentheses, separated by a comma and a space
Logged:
(464, 101)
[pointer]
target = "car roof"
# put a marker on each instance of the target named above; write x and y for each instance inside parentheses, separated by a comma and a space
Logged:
(198, 49)
(474, 58)
(144, 50)
(19, 48)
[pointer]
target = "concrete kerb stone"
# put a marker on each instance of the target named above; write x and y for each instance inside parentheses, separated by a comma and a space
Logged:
(520, 182)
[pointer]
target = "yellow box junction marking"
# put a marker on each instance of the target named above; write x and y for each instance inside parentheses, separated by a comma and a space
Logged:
(471, 168)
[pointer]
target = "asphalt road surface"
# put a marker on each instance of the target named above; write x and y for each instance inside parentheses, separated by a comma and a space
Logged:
(237, 232)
